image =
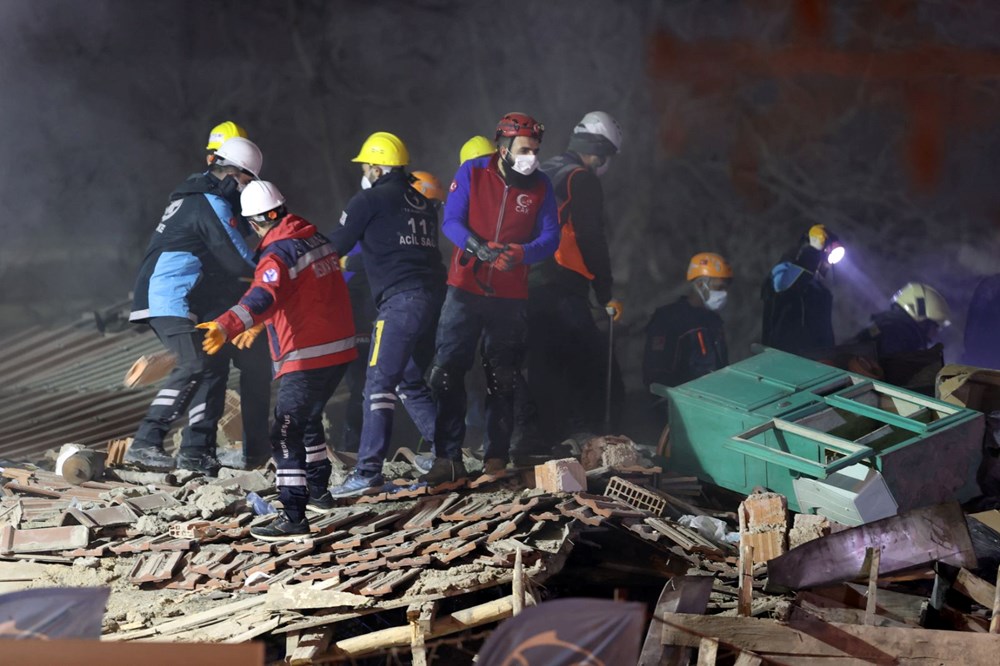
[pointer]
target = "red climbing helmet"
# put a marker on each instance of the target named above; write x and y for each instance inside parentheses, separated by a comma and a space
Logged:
(519, 124)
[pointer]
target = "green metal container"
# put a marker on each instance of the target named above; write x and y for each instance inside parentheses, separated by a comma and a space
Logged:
(832, 442)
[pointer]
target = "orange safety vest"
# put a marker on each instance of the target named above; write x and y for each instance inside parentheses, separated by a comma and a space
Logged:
(568, 254)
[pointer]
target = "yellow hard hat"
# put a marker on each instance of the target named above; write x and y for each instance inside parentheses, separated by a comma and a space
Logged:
(708, 264)
(477, 146)
(428, 185)
(222, 133)
(923, 302)
(384, 149)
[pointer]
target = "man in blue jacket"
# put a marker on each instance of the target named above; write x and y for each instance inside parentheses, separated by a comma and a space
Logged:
(186, 277)
(397, 228)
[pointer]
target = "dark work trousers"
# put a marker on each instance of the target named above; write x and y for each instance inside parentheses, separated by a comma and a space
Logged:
(298, 442)
(363, 309)
(568, 364)
(196, 386)
(502, 325)
(405, 320)
(255, 368)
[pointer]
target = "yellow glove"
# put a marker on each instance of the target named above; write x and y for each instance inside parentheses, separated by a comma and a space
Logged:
(343, 263)
(215, 337)
(614, 308)
(246, 338)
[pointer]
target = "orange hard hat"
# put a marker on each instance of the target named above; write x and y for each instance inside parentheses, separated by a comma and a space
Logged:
(708, 264)
(428, 185)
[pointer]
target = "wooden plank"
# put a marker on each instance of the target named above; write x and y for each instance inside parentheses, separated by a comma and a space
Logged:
(708, 650)
(995, 620)
(812, 639)
(746, 581)
(874, 555)
(681, 594)
(974, 587)
(310, 644)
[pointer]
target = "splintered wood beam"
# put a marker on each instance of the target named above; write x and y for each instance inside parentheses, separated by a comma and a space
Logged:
(487, 613)
(874, 555)
(974, 587)
(746, 581)
(812, 640)
(995, 621)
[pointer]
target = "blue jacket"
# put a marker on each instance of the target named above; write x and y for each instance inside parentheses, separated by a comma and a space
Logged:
(397, 229)
(196, 256)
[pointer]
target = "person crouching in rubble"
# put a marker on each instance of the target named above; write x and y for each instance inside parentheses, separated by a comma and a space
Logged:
(685, 339)
(300, 293)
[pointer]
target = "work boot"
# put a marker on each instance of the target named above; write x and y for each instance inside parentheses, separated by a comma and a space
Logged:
(494, 466)
(322, 504)
(357, 483)
(235, 459)
(281, 529)
(424, 463)
(444, 471)
(199, 461)
(149, 457)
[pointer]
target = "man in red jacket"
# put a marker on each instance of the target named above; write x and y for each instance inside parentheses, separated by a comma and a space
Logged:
(299, 292)
(501, 215)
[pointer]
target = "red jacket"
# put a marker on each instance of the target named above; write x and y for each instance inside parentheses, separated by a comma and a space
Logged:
(299, 291)
(481, 202)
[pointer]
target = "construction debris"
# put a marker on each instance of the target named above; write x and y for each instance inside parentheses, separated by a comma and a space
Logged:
(404, 568)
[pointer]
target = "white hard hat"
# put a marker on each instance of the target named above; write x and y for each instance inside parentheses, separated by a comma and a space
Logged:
(241, 153)
(923, 302)
(601, 124)
(260, 196)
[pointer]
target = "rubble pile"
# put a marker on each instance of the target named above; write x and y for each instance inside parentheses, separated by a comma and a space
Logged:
(177, 555)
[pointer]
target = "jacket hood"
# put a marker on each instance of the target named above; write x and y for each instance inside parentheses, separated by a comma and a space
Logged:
(291, 226)
(785, 275)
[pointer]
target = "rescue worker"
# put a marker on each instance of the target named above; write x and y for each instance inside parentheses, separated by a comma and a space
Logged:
(685, 339)
(397, 228)
(567, 353)
(501, 216)
(477, 146)
(905, 334)
(798, 306)
(254, 363)
(193, 258)
(981, 325)
(299, 293)
(365, 313)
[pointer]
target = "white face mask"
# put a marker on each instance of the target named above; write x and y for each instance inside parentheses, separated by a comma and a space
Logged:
(715, 299)
(365, 185)
(525, 164)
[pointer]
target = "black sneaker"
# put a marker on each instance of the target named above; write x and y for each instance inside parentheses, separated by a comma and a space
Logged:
(322, 504)
(281, 529)
(444, 471)
(205, 463)
(149, 457)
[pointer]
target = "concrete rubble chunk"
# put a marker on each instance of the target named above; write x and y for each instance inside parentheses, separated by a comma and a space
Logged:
(561, 476)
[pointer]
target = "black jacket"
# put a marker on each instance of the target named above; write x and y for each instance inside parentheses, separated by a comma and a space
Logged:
(683, 343)
(798, 311)
(586, 210)
(397, 228)
(894, 332)
(196, 255)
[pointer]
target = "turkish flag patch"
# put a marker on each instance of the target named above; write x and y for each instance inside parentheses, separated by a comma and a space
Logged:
(233, 222)
(454, 186)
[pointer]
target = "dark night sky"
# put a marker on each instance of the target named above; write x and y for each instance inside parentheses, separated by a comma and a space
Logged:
(745, 123)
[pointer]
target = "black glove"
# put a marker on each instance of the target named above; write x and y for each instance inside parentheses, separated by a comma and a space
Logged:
(479, 248)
